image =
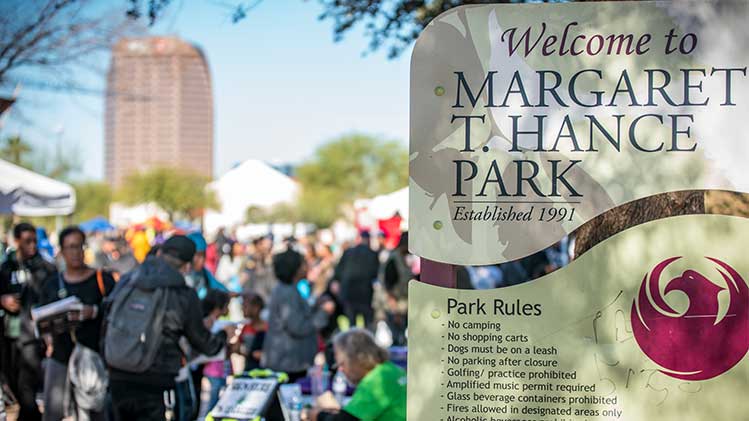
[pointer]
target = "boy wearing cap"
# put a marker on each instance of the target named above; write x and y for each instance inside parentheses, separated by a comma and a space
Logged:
(145, 395)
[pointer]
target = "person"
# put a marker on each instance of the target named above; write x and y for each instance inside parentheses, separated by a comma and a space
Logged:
(537, 264)
(139, 243)
(146, 395)
(22, 278)
(321, 268)
(221, 241)
(215, 305)
(253, 332)
(43, 244)
(202, 281)
(115, 257)
(211, 257)
(229, 267)
(90, 286)
(396, 276)
(337, 321)
(513, 273)
(257, 273)
(200, 278)
(291, 341)
(356, 272)
(380, 393)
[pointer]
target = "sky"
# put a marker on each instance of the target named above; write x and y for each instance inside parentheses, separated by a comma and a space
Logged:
(281, 88)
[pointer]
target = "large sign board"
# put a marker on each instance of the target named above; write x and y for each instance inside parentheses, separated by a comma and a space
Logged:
(651, 324)
(526, 122)
(529, 120)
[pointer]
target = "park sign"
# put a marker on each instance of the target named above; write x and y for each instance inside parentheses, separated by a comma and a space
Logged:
(651, 324)
(527, 120)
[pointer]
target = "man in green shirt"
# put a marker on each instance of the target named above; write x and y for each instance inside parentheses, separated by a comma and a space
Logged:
(380, 385)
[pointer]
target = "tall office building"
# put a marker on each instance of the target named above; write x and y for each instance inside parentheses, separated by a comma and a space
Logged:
(159, 108)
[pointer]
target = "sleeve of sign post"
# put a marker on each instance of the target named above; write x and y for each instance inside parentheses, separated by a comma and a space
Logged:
(439, 274)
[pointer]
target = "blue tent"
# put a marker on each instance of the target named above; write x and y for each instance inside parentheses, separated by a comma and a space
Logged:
(96, 225)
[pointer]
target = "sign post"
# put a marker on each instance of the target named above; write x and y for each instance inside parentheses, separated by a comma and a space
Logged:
(528, 120)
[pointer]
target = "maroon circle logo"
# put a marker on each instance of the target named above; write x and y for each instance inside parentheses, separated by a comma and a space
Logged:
(703, 342)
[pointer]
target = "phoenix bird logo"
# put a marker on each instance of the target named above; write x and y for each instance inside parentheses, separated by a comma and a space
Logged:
(702, 342)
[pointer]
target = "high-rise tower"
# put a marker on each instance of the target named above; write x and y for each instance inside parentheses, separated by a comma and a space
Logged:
(159, 108)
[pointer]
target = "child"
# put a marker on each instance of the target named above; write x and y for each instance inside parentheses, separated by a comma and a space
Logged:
(215, 305)
(253, 333)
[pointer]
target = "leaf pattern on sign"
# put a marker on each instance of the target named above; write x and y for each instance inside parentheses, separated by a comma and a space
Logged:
(431, 166)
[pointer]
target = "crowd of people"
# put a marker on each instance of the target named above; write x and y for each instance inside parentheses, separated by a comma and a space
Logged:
(148, 308)
(150, 304)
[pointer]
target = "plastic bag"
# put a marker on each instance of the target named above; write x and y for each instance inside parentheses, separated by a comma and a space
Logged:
(88, 377)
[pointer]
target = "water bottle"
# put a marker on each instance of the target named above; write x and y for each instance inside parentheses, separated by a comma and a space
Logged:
(325, 377)
(295, 411)
(339, 387)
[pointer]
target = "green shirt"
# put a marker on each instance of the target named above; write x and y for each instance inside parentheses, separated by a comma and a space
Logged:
(381, 395)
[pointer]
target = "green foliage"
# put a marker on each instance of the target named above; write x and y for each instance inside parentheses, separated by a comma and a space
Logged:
(92, 200)
(60, 164)
(319, 206)
(15, 150)
(393, 24)
(347, 168)
(177, 191)
(280, 213)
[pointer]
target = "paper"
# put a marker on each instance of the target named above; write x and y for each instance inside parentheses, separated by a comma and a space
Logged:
(244, 398)
(57, 308)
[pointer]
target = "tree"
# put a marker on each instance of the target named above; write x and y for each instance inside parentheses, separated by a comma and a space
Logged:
(92, 199)
(178, 192)
(61, 164)
(154, 9)
(15, 149)
(279, 213)
(54, 40)
(347, 168)
(395, 23)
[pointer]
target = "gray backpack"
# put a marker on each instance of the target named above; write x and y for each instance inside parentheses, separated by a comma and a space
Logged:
(134, 327)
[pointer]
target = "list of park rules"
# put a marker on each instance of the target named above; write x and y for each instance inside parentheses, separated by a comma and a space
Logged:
(492, 359)
(491, 372)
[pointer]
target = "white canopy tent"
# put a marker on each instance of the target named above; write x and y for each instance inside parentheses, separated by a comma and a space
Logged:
(26, 193)
(386, 205)
(252, 183)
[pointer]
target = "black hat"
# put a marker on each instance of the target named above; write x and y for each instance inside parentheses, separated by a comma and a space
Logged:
(180, 247)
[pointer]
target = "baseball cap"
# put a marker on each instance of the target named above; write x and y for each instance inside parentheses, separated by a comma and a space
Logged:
(180, 247)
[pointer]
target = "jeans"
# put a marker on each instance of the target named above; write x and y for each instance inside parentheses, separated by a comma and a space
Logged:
(217, 383)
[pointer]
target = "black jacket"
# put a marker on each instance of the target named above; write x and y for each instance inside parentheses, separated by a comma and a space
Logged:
(357, 270)
(40, 271)
(183, 319)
